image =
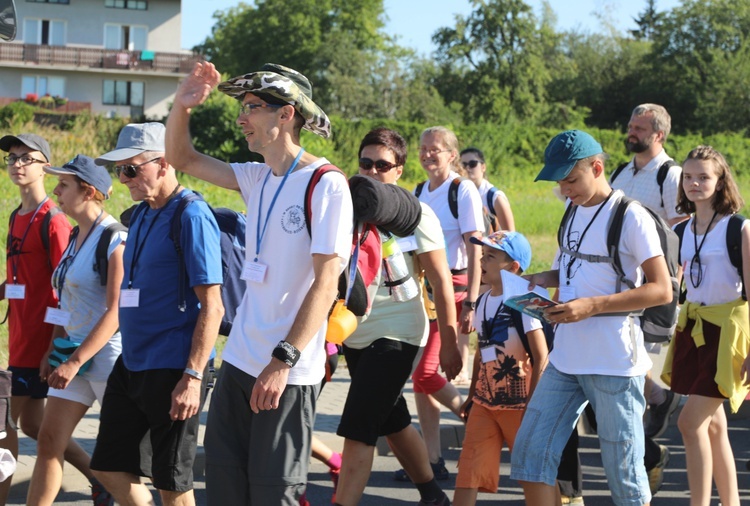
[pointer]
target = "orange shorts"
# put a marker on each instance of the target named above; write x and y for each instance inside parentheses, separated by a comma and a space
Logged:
(486, 431)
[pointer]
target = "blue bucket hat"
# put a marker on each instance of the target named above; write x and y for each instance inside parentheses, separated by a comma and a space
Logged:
(85, 168)
(564, 151)
(514, 244)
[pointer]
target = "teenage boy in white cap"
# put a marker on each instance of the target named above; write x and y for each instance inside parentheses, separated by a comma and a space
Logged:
(38, 234)
(261, 417)
(155, 386)
(599, 360)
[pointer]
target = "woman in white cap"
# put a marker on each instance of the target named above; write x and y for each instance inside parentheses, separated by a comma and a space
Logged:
(86, 321)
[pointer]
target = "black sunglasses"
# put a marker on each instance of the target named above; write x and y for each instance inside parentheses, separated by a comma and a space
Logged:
(380, 165)
(131, 171)
(471, 164)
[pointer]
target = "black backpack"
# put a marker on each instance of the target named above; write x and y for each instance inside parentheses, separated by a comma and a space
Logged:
(232, 236)
(491, 224)
(517, 319)
(658, 322)
(734, 247)
(661, 176)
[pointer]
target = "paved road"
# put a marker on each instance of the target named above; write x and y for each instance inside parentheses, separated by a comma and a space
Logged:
(383, 491)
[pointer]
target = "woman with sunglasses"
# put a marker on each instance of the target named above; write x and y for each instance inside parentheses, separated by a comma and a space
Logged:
(382, 351)
(472, 161)
(87, 317)
(707, 357)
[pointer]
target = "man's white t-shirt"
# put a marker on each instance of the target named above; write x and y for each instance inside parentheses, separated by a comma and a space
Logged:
(269, 308)
(643, 187)
(603, 344)
(469, 216)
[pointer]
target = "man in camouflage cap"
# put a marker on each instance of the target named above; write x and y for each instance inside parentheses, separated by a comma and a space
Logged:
(261, 418)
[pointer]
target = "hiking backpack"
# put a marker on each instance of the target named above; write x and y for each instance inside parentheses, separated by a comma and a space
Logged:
(6, 421)
(734, 247)
(658, 322)
(232, 243)
(661, 175)
(43, 230)
(491, 223)
(368, 259)
(517, 321)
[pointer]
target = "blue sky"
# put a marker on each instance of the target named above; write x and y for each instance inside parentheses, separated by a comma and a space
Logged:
(414, 21)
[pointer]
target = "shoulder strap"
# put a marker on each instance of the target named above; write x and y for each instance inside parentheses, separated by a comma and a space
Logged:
(617, 172)
(316, 175)
(419, 188)
(679, 230)
(175, 232)
(661, 176)
(44, 231)
(734, 245)
(101, 260)
(453, 195)
(564, 223)
(517, 318)
(9, 238)
(491, 200)
(614, 232)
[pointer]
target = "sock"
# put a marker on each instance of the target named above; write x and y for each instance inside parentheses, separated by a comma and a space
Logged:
(335, 461)
(430, 491)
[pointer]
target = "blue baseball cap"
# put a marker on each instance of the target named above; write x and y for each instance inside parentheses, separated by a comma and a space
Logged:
(514, 244)
(85, 168)
(564, 151)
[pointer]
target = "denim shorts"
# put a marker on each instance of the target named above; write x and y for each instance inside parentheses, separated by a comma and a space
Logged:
(552, 413)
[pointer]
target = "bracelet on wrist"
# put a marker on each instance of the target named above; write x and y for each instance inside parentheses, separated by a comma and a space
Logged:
(287, 353)
(192, 372)
(470, 304)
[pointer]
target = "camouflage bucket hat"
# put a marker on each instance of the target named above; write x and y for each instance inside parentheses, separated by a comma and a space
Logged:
(286, 85)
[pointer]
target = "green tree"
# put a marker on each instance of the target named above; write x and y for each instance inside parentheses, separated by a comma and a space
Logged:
(691, 47)
(497, 57)
(647, 22)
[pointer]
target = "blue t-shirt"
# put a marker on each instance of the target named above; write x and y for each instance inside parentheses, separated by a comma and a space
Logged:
(156, 334)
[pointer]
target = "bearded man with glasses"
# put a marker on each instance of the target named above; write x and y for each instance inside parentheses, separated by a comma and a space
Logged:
(156, 385)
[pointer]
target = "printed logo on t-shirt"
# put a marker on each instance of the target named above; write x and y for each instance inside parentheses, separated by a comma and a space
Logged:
(293, 219)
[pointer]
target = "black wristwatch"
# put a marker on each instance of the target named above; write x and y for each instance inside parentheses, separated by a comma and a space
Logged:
(470, 304)
(287, 353)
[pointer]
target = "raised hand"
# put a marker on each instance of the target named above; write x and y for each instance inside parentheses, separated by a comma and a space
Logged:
(196, 87)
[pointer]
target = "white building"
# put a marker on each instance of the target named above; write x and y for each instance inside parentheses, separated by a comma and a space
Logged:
(110, 56)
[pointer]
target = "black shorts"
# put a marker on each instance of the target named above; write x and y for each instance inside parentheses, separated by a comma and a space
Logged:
(375, 405)
(136, 404)
(26, 383)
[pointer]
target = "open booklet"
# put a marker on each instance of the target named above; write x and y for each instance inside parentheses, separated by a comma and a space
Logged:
(518, 296)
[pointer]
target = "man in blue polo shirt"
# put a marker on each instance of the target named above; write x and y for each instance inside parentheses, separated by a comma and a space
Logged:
(156, 385)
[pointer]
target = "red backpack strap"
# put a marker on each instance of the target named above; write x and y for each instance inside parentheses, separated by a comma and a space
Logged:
(317, 174)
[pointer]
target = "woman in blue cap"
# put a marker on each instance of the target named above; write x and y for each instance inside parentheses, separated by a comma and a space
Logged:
(86, 321)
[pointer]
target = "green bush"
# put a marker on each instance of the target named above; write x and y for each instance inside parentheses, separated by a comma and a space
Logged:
(16, 113)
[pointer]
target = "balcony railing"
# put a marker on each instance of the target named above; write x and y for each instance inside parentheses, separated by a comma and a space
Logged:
(98, 58)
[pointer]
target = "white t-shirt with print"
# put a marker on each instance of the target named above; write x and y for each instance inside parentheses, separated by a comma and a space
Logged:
(401, 321)
(603, 344)
(269, 308)
(469, 216)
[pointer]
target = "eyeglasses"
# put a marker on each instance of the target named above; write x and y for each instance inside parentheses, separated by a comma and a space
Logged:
(367, 164)
(433, 151)
(24, 159)
(471, 164)
(248, 108)
(131, 171)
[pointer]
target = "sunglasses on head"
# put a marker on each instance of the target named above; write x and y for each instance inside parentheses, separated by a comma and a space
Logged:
(380, 165)
(131, 171)
(471, 164)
